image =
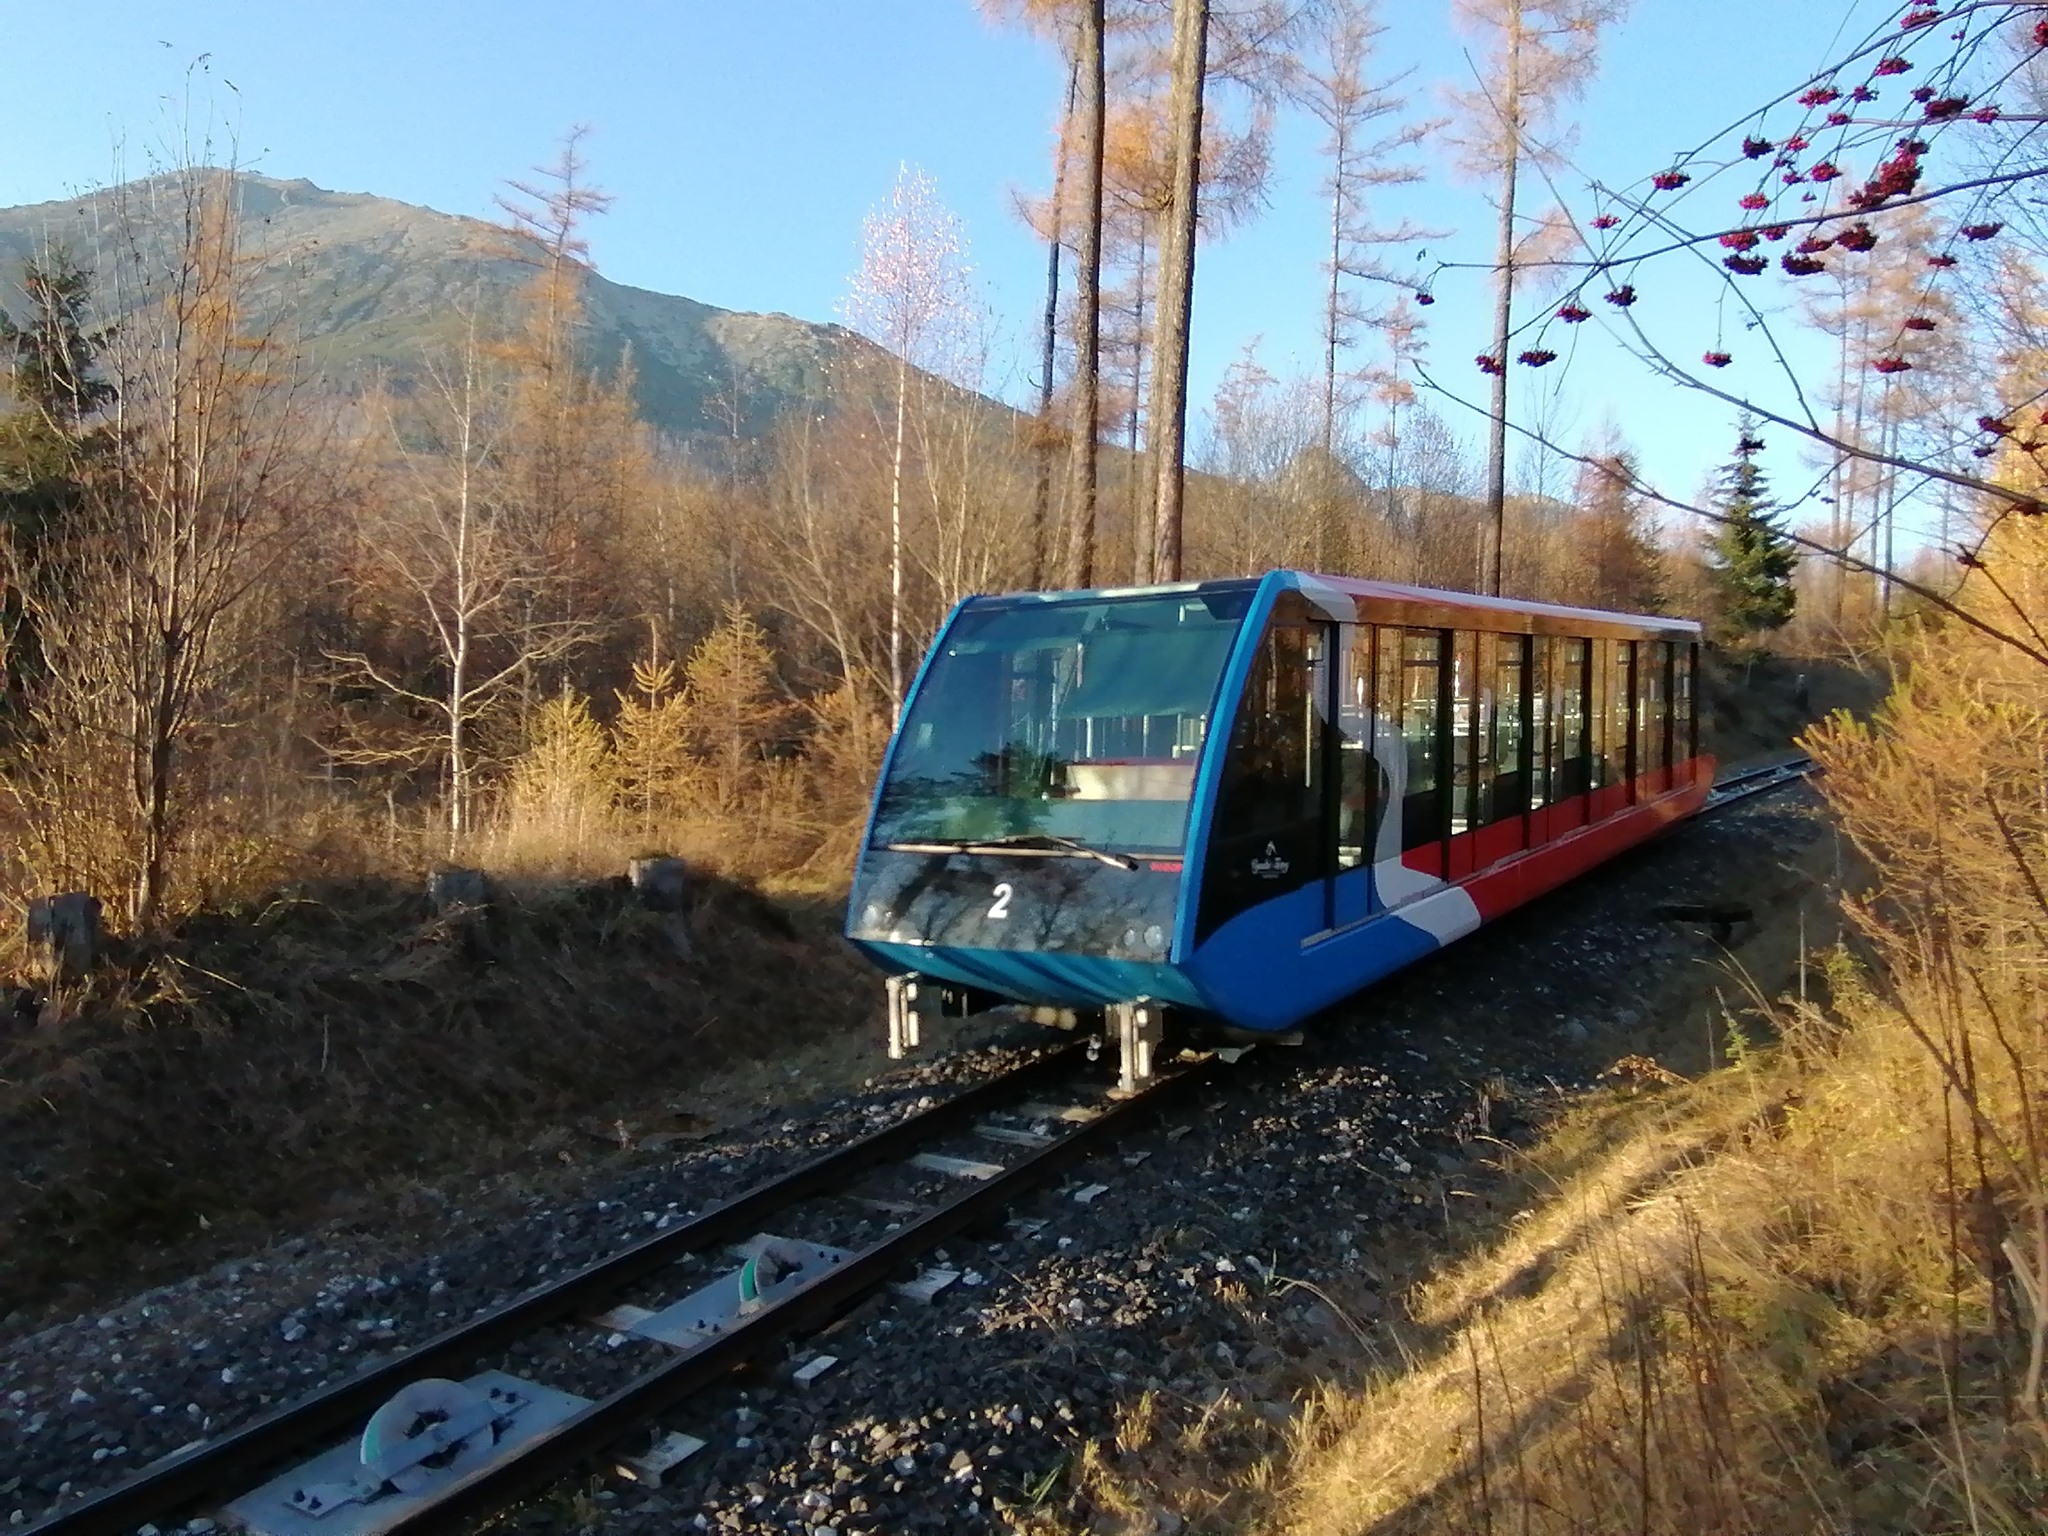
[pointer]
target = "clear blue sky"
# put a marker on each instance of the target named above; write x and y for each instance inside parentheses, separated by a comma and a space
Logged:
(743, 143)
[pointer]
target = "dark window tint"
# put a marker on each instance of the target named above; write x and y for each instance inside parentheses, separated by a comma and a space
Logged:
(1685, 736)
(1653, 754)
(1618, 696)
(1475, 689)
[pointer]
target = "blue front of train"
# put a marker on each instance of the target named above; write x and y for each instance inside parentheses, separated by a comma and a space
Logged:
(1031, 834)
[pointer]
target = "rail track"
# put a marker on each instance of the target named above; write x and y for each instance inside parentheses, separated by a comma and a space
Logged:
(438, 1452)
(1749, 782)
(419, 1468)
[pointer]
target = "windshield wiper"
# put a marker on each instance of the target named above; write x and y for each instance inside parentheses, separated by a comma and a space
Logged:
(1043, 845)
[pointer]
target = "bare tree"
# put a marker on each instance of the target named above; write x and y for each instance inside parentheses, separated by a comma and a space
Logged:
(138, 597)
(910, 294)
(466, 579)
(1540, 54)
(1159, 556)
(1092, 121)
(1337, 90)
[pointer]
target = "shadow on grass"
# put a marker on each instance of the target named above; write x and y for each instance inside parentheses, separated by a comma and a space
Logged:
(340, 1041)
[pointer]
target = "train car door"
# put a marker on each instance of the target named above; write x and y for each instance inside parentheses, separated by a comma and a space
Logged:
(1272, 831)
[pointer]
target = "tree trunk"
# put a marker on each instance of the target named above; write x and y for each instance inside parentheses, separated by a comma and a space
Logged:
(1160, 557)
(1135, 485)
(1504, 298)
(1333, 297)
(896, 549)
(1043, 444)
(1326, 511)
(1079, 568)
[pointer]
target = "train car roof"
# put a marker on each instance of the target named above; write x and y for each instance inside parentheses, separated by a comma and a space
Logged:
(1348, 599)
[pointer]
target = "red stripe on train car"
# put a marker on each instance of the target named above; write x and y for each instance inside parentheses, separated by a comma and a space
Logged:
(1498, 890)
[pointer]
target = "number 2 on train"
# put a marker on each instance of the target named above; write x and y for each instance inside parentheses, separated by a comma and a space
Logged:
(1000, 907)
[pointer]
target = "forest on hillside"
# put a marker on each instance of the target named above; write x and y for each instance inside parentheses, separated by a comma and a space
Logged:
(258, 619)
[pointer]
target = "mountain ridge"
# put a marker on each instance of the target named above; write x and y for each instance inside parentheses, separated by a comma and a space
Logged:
(375, 283)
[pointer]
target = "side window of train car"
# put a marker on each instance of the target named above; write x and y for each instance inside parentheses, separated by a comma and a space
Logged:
(1508, 795)
(1361, 789)
(1476, 681)
(1653, 687)
(1540, 728)
(1598, 668)
(1620, 693)
(1419, 699)
(1463, 728)
(1268, 835)
(1686, 735)
(1571, 745)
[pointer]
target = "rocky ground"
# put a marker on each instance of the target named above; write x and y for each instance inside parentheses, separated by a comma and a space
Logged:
(1241, 1253)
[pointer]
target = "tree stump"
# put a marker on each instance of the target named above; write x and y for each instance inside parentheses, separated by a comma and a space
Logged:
(454, 890)
(64, 935)
(461, 899)
(660, 881)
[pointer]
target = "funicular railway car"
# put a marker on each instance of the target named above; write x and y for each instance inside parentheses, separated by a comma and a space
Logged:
(1240, 801)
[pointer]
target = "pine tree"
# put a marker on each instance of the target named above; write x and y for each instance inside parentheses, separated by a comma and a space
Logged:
(655, 769)
(733, 712)
(1619, 567)
(563, 785)
(52, 357)
(1751, 559)
(48, 441)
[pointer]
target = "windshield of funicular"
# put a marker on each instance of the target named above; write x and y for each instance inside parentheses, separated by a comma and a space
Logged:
(1077, 720)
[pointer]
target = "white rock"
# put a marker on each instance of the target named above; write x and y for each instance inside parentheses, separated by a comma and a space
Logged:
(80, 1395)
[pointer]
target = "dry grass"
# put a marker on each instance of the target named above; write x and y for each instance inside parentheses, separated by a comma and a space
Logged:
(336, 1037)
(1734, 1307)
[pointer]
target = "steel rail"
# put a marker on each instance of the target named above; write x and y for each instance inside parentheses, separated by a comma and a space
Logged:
(574, 1442)
(236, 1461)
(1740, 786)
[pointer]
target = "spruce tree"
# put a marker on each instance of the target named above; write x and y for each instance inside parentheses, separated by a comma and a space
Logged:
(51, 357)
(1751, 560)
(50, 433)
